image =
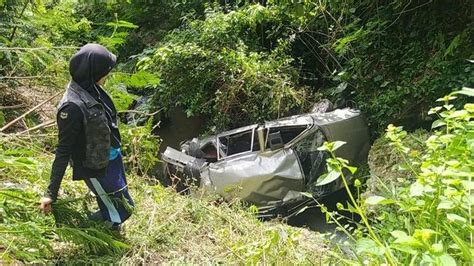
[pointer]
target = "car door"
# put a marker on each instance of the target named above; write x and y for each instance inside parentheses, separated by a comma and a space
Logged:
(256, 176)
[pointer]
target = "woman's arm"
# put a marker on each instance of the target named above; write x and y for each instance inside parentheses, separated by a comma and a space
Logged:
(69, 120)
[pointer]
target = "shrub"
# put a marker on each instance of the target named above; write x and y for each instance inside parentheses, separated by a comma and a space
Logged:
(215, 67)
(428, 219)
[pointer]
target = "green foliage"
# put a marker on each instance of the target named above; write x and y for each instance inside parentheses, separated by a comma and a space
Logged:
(36, 39)
(116, 88)
(29, 236)
(396, 58)
(154, 18)
(373, 55)
(140, 82)
(238, 63)
(194, 229)
(120, 32)
(223, 60)
(387, 167)
(427, 220)
(140, 146)
(215, 67)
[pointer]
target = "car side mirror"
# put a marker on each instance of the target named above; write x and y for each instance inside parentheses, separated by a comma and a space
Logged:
(275, 140)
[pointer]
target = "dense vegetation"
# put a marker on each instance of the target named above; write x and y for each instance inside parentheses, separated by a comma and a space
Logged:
(235, 63)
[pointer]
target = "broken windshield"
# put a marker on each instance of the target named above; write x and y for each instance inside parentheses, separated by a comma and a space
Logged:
(312, 161)
(285, 134)
(236, 143)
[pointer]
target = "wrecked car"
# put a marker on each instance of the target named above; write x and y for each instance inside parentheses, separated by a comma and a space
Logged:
(270, 164)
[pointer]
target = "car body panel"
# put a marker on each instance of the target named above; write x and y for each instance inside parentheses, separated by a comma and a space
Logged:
(258, 177)
(346, 125)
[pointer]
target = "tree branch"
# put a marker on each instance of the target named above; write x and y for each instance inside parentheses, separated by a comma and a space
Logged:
(36, 48)
(12, 106)
(28, 112)
(27, 77)
(42, 125)
(21, 15)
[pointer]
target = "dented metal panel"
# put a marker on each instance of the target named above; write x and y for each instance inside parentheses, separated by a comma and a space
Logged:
(350, 126)
(174, 156)
(259, 178)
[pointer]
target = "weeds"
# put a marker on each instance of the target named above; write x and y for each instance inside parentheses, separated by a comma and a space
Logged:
(428, 220)
(165, 226)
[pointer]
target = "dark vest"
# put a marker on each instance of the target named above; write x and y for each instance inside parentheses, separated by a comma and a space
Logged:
(96, 129)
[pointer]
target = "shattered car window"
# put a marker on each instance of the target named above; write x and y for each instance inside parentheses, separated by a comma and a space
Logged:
(312, 160)
(236, 143)
(287, 133)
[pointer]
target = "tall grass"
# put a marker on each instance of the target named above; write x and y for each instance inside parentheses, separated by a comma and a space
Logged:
(165, 226)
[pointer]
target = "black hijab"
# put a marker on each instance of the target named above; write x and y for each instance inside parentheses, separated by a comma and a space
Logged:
(90, 64)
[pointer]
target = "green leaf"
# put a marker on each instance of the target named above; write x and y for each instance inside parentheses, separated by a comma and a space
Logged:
(438, 123)
(435, 110)
(352, 169)
(416, 189)
(409, 241)
(469, 107)
(464, 246)
(458, 114)
(468, 185)
(328, 178)
(406, 249)
(453, 45)
(340, 46)
(365, 245)
(307, 194)
(437, 248)
(445, 205)
(378, 200)
(447, 260)
(398, 234)
(337, 144)
(302, 210)
(465, 91)
(340, 88)
(455, 218)
(122, 24)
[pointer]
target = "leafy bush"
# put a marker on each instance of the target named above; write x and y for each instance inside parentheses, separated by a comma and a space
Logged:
(391, 59)
(372, 55)
(386, 164)
(140, 147)
(215, 67)
(37, 39)
(427, 220)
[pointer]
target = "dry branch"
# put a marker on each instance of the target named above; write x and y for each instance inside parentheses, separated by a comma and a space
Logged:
(27, 77)
(42, 125)
(29, 111)
(36, 48)
(12, 106)
(140, 112)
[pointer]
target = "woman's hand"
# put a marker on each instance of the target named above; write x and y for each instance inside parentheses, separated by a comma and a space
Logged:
(45, 205)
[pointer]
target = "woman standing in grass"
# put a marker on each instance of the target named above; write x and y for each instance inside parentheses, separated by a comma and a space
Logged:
(89, 137)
